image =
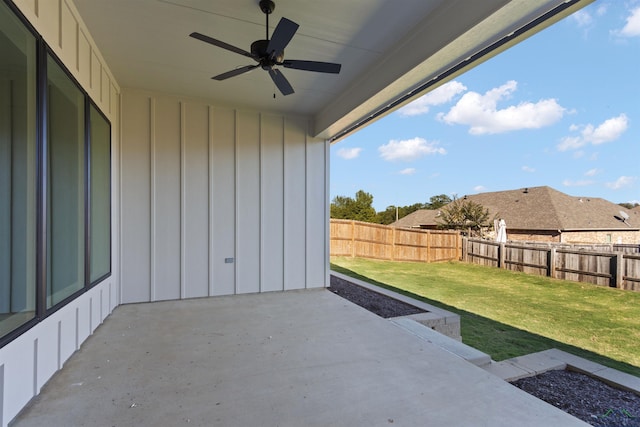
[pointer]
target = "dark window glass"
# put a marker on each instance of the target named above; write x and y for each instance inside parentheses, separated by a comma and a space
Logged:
(100, 161)
(65, 185)
(17, 172)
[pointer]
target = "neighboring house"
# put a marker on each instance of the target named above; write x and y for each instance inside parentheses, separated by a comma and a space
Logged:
(161, 184)
(547, 215)
(422, 218)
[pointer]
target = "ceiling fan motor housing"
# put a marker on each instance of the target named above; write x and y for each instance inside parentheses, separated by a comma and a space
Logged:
(267, 6)
(259, 49)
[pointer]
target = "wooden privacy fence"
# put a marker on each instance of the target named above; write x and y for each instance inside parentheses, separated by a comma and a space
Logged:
(367, 240)
(614, 269)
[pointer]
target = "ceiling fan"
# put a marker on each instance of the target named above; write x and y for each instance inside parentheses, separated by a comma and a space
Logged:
(269, 53)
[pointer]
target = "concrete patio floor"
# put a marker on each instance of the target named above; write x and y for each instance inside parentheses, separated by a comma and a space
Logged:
(296, 358)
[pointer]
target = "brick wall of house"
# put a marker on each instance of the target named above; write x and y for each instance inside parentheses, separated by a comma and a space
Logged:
(528, 236)
(612, 236)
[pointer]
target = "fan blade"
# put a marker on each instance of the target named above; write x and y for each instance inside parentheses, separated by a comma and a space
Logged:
(281, 37)
(222, 44)
(235, 72)
(281, 82)
(320, 67)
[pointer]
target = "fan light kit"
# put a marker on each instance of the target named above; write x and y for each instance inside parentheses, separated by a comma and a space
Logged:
(270, 53)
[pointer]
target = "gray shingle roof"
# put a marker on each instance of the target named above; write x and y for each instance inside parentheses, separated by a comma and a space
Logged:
(414, 219)
(543, 208)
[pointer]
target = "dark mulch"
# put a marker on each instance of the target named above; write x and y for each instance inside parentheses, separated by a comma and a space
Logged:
(585, 397)
(379, 304)
(578, 394)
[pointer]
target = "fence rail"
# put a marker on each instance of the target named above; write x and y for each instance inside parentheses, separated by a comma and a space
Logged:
(367, 240)
(618, 269)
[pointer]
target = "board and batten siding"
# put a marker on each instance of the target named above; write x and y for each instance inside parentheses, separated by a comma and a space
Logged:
(219, 201)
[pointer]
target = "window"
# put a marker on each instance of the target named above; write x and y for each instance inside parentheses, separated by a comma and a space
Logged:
(100, 161)
(17, 173)
(65, 185)
(55, 182)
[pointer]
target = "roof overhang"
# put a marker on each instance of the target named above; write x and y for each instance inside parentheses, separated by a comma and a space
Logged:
(389, 54)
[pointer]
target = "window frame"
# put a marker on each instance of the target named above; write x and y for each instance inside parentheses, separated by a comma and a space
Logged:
(49, 54)
(88, 200)
(43, 52)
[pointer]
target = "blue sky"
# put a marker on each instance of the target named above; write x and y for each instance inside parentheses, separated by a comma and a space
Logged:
(560, 109)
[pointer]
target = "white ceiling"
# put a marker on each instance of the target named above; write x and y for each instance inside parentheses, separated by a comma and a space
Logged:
(386, 48)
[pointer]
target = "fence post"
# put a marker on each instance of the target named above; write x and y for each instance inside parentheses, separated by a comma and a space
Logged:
(501, 255)
(428, 246)
(465, 249)
(551, 262)
(353, 239)
(393, 244)
(617, 265)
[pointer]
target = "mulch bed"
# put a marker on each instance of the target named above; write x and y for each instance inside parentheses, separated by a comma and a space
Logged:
(580, 395)
(584, 397)
(379, 304)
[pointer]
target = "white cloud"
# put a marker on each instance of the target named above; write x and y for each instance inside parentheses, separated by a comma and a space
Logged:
(409, 149)
(580, 183)
(632, 27)
(570, 143)
(592, 172)
(607, 131)
(601, 10)
(481, 112)
(441, 95)
(582, 18)
(349, 153)
(528, 168)
(407, 171)
(623, 181)
(480, 188)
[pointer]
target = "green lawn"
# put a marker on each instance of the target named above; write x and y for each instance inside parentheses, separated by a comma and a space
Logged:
(507, 314)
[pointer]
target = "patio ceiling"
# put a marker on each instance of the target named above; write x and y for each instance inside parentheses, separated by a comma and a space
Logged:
(390, 51)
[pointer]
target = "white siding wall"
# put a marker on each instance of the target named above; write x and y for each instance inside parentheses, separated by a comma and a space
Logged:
(202, 184)
(28, 362)
(199, 184)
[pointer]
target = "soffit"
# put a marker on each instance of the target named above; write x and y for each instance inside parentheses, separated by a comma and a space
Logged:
(386, 48)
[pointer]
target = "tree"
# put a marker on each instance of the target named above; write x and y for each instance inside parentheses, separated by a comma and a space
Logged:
(388, 215)
(359, 209)
(436, 202)
(464, 214)
(629, 205)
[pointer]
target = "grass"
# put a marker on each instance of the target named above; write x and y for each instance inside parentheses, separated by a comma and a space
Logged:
(507, 314)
